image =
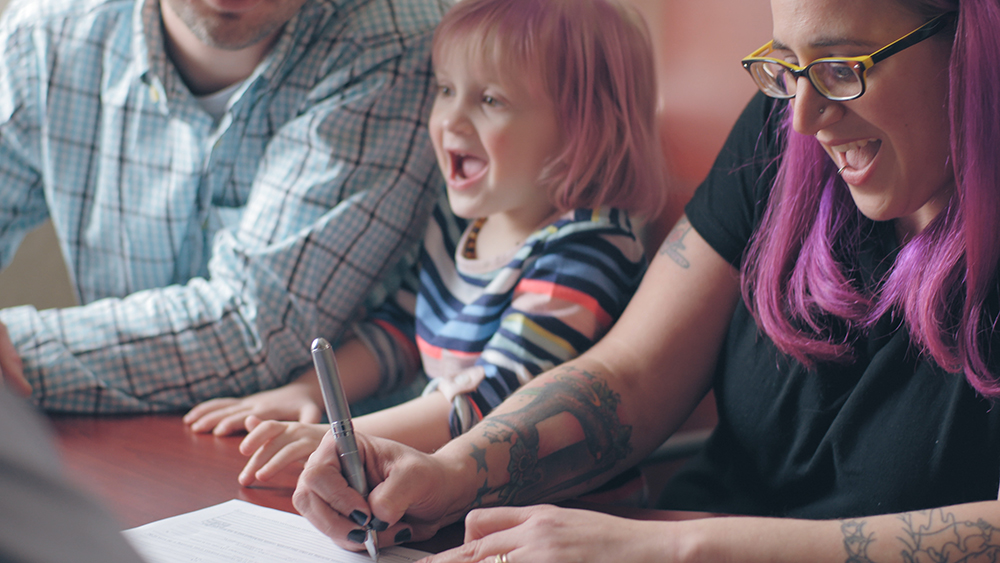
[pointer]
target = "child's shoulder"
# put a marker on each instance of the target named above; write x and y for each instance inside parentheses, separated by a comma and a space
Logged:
(589, 222)
(601, 230)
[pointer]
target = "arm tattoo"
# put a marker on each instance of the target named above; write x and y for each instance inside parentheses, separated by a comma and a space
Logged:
(929, 536)
(936, 536)
(855, 541)
(674, 243)
(583, 396)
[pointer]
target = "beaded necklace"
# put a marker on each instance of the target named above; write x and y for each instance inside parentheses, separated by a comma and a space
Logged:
(469, 250)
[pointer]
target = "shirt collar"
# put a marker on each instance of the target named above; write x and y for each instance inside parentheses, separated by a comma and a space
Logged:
(146, 16)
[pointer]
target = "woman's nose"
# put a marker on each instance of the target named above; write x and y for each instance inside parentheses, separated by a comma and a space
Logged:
(812, 111)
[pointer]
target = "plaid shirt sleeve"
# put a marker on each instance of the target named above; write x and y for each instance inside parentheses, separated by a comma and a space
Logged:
(336, 202)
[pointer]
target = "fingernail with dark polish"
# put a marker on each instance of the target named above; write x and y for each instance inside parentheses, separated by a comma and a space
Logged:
(356, 536)
(378, 525)
(403, 536)
(360, 518)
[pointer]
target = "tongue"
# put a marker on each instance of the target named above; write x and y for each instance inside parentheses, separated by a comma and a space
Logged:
(472, 166)
(862, 157)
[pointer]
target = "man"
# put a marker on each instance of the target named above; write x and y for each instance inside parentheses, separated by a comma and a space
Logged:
(228, 180)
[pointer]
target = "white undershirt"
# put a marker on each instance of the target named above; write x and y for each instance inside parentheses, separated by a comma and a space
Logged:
(216, 102)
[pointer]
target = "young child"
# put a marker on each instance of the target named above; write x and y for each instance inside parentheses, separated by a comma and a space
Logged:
(544, 129)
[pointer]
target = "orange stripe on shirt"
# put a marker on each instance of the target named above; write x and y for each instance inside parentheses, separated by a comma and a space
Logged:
(404, 341)
(435, 352)
(566, 294)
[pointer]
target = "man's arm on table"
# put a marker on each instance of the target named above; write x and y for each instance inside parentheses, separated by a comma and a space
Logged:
(341, 194)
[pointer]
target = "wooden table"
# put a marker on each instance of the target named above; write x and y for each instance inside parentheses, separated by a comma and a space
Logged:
(150, 467)
(145, 468)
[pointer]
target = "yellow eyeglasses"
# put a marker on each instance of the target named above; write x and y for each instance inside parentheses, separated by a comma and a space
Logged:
(835, 78)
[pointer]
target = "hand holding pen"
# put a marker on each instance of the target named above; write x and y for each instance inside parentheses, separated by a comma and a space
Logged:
(343, 429)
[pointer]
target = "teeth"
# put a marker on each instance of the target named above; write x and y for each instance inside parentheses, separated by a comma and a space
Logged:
(853, 145)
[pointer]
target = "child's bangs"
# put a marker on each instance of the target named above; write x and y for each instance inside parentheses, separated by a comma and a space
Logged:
(498, 37)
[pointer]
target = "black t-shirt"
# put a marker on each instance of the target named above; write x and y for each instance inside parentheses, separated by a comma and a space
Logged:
(889, 432)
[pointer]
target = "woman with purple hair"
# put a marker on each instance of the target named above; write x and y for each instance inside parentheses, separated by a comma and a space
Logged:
(834, 281)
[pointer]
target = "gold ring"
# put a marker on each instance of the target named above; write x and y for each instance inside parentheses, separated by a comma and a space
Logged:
(501, 558)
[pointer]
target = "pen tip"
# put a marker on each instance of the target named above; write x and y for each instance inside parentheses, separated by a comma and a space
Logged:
(320, 343)
(371, 543)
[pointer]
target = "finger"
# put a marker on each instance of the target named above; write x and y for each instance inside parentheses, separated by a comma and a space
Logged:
(323, 489)
(489, 532)
(475, 552)
(310, 414)
(249, 474)
(13, 378)
(483, 522)
(268, 447)
(232, 424)
(295, 453)
(422, 487)
(11, 366)
(263, 432)
(325, 519)
(206, 407)
(211, 421)
(266, 444)
(260, 435)
(252, 422)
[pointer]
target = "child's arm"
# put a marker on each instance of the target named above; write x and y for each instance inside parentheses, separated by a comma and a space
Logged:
(421, 423)
(274, 446)
(299, 400)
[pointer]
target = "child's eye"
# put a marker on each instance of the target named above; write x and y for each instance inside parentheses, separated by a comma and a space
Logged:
(444, 91)
(490, 101)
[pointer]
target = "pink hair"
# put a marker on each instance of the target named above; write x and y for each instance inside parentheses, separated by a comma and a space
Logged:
(594, 60)
(794, 274)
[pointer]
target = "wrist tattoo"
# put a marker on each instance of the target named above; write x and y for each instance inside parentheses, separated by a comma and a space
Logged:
(673, 245)
(856, 542)
(532, 475)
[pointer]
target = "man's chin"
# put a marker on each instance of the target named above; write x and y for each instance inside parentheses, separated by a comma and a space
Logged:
(234, 36)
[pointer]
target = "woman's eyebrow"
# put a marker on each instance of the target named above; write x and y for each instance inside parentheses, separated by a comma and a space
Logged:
(777, 45)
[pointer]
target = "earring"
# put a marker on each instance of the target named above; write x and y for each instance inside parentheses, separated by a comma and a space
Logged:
(821, 110)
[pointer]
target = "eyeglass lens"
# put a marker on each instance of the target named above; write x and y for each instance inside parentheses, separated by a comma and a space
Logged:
(831, 78)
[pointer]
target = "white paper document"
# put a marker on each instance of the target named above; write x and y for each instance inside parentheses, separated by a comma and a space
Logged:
(241, 532)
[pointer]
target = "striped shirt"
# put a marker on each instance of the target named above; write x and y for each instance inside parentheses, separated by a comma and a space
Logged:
(484, 327)
(208, 254)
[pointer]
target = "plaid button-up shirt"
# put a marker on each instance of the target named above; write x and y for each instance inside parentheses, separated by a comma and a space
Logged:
(207, 255)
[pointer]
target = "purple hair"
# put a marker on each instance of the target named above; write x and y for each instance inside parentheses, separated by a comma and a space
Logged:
(793, 277)
(593, 59)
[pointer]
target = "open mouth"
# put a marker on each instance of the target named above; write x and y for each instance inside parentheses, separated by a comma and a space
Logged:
(857, 155)
(466, 166)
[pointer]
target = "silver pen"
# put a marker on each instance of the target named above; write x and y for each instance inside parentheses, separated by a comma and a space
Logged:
(342, 427)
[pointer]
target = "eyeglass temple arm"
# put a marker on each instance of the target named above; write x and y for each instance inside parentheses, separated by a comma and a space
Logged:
(912, 38)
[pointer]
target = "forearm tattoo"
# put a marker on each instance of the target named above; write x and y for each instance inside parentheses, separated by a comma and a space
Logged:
(533, 476)
(935, 535)
(673, 245)
(929, 536)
